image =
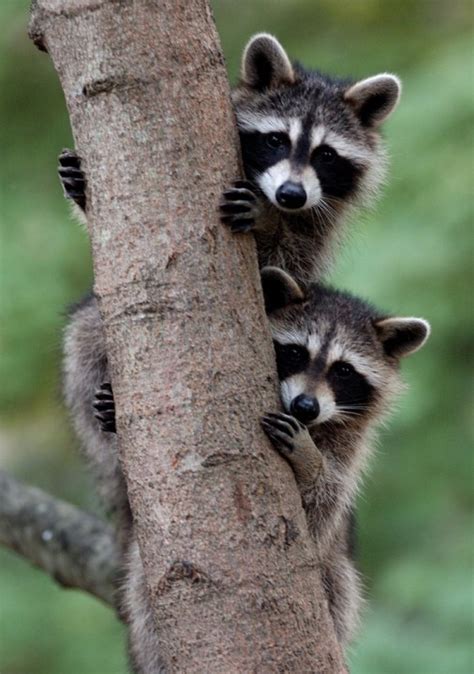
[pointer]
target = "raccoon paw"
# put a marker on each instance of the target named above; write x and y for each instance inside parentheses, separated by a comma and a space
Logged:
(240, 206)
(72, 178)
(293, 441)
(283, 430)
(104, 406)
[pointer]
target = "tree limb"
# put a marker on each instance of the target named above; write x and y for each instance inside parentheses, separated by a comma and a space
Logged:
(74, 547)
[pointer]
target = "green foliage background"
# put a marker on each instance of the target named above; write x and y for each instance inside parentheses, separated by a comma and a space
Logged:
(413, 256)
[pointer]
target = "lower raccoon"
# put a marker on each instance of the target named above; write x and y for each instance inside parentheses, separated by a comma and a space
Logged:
(338, 365)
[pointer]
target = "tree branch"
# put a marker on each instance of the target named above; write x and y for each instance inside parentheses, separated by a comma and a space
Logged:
(74, 547)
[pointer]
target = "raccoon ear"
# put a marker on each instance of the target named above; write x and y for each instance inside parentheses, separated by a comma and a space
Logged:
(279, 289)
(402, 336)
(374, 98)
(265, 63)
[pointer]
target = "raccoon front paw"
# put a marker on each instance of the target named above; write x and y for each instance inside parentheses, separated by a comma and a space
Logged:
(283, 430)
(240, 206)
(104, 406)
(72, 178)
(293, 441)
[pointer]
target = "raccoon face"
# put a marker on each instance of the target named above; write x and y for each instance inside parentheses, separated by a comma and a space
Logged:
(318, 385)
(309, 141)
(337, 357)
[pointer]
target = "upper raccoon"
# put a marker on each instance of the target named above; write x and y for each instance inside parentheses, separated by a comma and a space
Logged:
(338, 365)
(311, 149)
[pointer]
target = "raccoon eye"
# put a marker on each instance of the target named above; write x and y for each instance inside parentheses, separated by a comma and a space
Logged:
(291, 359)
(325, 154)
(277, 140)
(342, 370)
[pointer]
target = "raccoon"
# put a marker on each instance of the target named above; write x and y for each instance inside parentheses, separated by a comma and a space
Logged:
(311, 151)
(338, 363)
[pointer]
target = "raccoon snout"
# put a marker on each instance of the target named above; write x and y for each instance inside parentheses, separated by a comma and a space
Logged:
(291, 195)
(305, 408)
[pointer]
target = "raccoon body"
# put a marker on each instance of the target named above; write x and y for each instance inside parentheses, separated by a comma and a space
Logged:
(338, 364)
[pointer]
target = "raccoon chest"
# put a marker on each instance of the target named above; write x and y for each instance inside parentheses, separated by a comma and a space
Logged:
(292, 248)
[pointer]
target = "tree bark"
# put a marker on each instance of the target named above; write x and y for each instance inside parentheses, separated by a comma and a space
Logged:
(230, 567)
(77, 549)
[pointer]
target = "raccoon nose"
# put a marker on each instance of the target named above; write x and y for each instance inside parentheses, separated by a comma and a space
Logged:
(305, 408)
(291, 195)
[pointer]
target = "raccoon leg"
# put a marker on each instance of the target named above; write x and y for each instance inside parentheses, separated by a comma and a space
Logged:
(85, 368)
(323, 493)
(240, 206)
(143, 643)
(72, 178)
(342, 585)
(292, 439)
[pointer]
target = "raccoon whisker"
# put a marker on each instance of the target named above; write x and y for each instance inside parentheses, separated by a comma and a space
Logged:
(325, 213)
(350, 414)
(353, 408)
(334, 200)
(324, 216)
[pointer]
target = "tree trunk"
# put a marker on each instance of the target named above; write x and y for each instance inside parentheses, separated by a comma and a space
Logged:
(230, 567)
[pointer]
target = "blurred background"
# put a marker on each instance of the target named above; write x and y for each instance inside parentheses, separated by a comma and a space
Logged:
(413, 255)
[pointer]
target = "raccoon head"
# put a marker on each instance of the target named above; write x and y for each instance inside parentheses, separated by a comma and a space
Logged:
(310, 141)
(337, 356)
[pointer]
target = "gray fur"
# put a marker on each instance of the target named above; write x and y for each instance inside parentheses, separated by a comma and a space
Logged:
(143, 646)
(85, 368)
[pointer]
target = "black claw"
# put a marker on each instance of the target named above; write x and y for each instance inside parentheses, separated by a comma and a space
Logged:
(69, 158)
(240, 195)
(104, 407)
(286, 418)
(109, 427)
(244, 225)
(72, 177)
(231, 218)
(68, 172)
(72, 180)
(105, 415)
(104, 395)
(236, 207)
(276, 436)
(244, 184)
(281, 425)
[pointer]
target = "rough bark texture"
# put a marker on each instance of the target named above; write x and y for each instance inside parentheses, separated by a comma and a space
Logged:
(77, 549)
(230, 567)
